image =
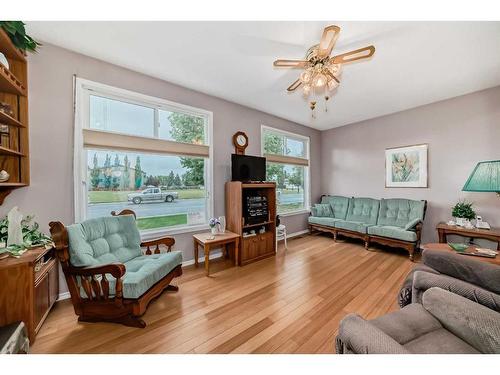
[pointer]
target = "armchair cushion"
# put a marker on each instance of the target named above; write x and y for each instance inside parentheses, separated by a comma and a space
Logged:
(482, 274)
(472, 322)
(363, 210)
(400, 212)
(327, 221)
(338, 204)
(104, 240)
(143, 272)
(393, 232)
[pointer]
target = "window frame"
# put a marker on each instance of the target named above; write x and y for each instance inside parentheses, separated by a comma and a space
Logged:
(83, 88)
(293, 160)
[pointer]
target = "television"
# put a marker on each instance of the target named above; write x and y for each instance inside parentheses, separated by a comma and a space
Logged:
(248, 168)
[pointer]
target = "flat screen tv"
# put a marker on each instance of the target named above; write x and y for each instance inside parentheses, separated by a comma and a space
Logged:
(248, 168)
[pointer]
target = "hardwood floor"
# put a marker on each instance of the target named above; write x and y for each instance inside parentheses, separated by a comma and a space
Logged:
(291, 303)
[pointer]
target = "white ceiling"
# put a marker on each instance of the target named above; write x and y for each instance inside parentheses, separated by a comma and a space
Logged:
(415, 63)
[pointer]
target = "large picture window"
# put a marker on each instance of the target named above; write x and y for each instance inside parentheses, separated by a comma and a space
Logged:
(141, 153)
(287, 156)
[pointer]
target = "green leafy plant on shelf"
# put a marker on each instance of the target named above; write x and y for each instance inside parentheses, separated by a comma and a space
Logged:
(17, 33)
(463, 210)
(32, 237)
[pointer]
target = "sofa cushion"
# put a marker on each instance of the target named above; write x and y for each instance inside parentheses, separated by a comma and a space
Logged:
(338, 203)
(142, 273)
(113, 239)
(327, 221)
(393, 232)
(399, 212)
(322, 210)
(363, 210)
(354, 226)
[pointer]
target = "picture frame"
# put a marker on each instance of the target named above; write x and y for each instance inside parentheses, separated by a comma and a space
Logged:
(406, 166)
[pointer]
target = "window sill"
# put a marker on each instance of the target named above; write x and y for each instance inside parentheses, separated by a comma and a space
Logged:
(150, 234)
(292, 213)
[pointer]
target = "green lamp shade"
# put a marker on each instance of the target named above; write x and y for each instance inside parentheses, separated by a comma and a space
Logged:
(485, 177)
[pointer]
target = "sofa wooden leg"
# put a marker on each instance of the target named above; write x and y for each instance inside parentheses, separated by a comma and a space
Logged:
(367, 243)
(132, 321)
(411, 251)
(335, 236)
(172, 288)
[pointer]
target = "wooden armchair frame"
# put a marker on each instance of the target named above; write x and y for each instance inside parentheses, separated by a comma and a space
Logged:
(99, 304)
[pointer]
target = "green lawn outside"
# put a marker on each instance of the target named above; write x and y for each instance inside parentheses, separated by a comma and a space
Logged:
(283, 208)
(161, 221)
(290, 191)
(121, 196)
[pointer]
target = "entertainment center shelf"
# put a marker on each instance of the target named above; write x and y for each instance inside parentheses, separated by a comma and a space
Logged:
(242, 217)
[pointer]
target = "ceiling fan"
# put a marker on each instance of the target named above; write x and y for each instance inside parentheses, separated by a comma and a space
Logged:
(321, 70)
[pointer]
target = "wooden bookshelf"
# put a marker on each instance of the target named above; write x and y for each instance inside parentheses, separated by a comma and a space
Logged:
(14, 157)
(260, 245)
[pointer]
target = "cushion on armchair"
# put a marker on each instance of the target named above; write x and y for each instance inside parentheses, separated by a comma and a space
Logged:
(104, 240)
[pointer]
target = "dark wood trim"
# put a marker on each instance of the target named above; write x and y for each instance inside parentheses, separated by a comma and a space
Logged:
(100, 305)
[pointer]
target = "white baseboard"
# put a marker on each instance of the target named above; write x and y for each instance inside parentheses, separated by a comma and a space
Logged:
(299, 233)
(190, 262)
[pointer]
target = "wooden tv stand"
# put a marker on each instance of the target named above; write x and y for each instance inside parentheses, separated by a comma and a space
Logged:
(260, 245)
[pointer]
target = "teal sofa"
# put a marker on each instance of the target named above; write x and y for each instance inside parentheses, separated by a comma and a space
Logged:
(394, 222)
(109, 276)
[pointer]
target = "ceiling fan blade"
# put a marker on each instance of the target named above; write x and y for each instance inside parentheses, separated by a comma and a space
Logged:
(328, 73)
(291, 63)
(328, 40)
(358, 54)
(294, 85)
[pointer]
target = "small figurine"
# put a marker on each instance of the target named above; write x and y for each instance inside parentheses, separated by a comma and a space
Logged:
(14, 230)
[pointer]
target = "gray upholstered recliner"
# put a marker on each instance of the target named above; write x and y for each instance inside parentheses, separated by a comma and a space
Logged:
(470, 278)
(444, 323)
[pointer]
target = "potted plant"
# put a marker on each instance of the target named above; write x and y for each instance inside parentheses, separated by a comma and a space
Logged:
(17, 34)
(463, 213)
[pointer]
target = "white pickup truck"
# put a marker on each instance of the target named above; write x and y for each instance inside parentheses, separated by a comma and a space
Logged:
(152, 194)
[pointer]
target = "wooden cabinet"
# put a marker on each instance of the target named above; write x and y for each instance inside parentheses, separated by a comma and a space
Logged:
(260, 245)
(14, 143)
(29, 287)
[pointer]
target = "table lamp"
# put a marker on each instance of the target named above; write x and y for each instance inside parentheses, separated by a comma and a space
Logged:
(484, 178)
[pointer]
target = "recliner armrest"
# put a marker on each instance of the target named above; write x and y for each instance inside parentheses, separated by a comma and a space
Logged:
(167, 241)
(360, 336)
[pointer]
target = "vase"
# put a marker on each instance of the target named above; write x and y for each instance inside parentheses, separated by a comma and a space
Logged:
(461, 221)
(222, 225)
(213, 230)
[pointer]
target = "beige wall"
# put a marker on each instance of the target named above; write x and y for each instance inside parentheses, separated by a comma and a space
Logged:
(460, 132)
(50, 195)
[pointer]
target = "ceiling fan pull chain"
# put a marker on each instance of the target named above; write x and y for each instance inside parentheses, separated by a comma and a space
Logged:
(327, 98)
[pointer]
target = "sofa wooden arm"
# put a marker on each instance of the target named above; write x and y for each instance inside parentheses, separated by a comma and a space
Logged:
(168, 242)
(95, 288)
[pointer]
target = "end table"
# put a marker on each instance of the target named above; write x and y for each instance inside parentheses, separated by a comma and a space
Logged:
(208, 243)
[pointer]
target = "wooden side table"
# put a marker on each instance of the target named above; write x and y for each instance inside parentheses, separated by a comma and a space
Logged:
(446, 247)
(221, 240)
(486, 234)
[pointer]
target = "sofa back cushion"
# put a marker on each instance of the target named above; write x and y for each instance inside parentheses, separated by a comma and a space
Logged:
(364, 210)
(113, 239)
(338, 204)
(399, 212)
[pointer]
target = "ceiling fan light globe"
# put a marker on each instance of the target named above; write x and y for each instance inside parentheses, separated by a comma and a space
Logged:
(319, 80)
(305, 77)
(306, 90)
(332, 84)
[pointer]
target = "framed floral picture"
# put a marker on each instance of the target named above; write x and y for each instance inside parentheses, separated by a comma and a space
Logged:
(406, 166)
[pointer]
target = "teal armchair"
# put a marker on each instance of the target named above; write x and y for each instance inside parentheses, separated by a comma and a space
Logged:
(109, 276)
